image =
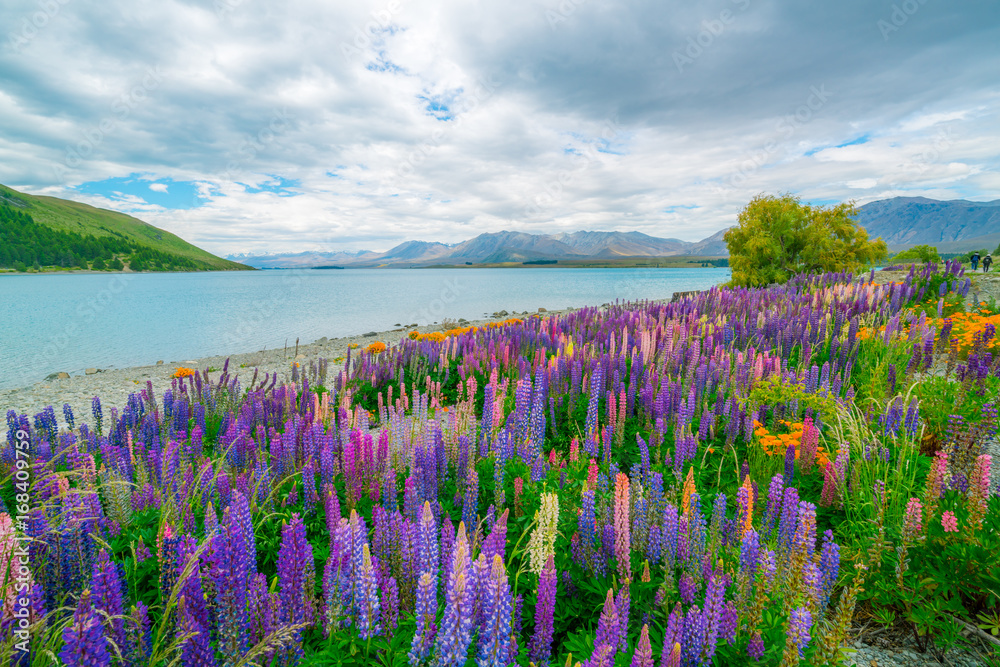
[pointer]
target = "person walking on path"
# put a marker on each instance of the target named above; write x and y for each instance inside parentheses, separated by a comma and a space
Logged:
(986, 263)
(975, 260)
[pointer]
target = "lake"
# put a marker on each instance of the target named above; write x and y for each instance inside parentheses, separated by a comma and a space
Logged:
(52, 322)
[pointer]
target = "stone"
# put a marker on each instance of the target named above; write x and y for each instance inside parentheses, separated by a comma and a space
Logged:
(370, 334)
(62, 375)
(300, 357)
(323, 340)
(91, 371)
(160, 362)
(56, 376)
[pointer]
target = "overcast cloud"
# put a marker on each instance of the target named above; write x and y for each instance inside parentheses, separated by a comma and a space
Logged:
(244, 125)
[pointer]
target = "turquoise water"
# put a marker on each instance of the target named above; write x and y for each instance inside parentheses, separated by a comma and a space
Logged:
(51, 323)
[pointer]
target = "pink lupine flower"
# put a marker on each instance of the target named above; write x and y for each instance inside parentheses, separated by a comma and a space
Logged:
(949, 522)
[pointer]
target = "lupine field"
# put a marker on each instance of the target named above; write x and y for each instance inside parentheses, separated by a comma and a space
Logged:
(732, 479)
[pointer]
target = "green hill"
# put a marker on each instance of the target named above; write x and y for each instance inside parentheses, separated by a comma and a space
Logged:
(51, 234)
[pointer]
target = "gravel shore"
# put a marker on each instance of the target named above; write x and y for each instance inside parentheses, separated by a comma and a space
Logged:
(114, 385)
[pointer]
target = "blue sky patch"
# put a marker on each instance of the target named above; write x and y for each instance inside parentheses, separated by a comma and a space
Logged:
(278, 185)
(165, 192)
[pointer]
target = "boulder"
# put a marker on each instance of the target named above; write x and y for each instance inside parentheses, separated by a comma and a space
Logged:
(91, 371)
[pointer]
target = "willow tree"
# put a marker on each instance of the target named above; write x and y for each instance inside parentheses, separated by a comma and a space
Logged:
(778, 237)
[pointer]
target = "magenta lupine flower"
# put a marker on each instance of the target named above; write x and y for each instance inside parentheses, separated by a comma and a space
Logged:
(799, 624)
(949, 522)
(426, 611)
(623, 543)
(541, 645)
(496, 636)
(643, 650)
(84, 643)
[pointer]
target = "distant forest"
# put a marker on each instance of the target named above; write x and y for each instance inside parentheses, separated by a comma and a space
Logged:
(25, 244)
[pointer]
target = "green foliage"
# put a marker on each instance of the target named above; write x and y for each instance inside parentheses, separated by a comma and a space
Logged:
(778, 237)
(922, 254)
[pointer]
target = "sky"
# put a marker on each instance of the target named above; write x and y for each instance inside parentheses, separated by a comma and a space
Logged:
(251, 126)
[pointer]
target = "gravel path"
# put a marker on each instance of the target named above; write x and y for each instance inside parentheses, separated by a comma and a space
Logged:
(114, 385)
(902, 651)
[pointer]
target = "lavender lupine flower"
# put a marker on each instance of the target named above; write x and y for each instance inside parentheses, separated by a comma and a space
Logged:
(755, 649)
(426, 629)
(84, 643)
(541, 645)
(427, 543)
(452, 646)
(367, 597)
(714, 603)
(390, 605)
(496, 636)
(799, 624)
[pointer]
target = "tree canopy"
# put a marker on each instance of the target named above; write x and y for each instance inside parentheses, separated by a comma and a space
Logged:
(924, 254)
(778, 237)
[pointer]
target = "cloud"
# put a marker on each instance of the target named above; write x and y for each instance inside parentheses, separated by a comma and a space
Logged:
(241, 125)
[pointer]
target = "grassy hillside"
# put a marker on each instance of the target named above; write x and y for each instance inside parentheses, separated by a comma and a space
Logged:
(60, 234)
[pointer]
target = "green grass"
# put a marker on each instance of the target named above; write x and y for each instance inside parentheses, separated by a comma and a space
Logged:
(71, 216)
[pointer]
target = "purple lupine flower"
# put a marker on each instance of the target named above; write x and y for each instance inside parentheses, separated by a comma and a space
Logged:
(755, 649)
(496, 543)
(729, 623)
(643, 651)
(789, 464)
(426, 611)
(296, 578)
(672, 635)
(427, 543)
(693, 639)
(496, 636)
(686, 588)
(829, 565)
(470, 507)
(715, 595)
(799, 624)
(545, 607)
(84, 643)
(196, 650)
(106, 587)
(452, 646)
(235, 563)
(789, 518)
(623, 603)
(390, 605)
(138, 644)
(608, 626)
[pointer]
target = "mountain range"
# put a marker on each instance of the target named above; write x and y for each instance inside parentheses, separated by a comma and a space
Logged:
(501, 248)
(951, 226)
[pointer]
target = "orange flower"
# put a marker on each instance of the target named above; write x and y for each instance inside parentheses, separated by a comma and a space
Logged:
(184, 372)
(378, 347)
